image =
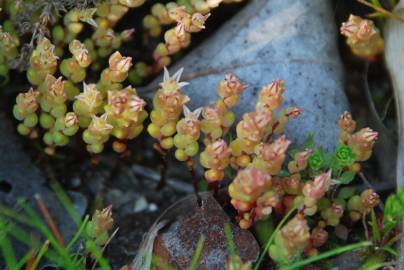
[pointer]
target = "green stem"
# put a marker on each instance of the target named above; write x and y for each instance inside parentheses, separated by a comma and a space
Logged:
(328, 254)
(270, 240)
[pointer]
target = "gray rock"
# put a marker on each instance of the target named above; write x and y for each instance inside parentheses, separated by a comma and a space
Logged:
(20, 178)
(292, 40)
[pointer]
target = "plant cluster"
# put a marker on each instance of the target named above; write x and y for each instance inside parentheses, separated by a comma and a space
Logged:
(94, 24)
(102, 110)
(311, 183)
(63, 105)
(268, 183)
(363, 38)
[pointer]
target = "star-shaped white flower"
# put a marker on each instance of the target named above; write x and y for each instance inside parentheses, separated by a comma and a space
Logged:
(100, 123)
(189, 114)
(90, 95)
(172, 83)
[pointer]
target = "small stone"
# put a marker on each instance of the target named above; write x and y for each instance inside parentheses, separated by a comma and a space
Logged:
(176, 244)
(153, 207)
(140, 205)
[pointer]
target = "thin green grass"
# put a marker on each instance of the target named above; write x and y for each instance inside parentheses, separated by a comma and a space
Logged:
(51, 249)
(271, 239)
(327, 254)
(197, 254)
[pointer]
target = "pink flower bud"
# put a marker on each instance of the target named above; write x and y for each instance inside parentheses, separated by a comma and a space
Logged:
(230, 89)
(119, 63)
(351, 27)
(99, 125)
(127, 35)
(103, 219)
(362, 37)
(337, 210)
(198, 22)
(190, 124)
(71, 119)
(346, 123)
(253, 124)
(265, 203)
(249, 184)
(292, 184)
(369, 199)
(366, 30)
(296, 234)
(317, 188)
(362, 143)
(28, 102)
(117, 100)
(271, 96)
(219, 150)
(273, 154)
(177, 13)
(211, 113)
(90, 96)
(43, 57)
(319, 237)
(136, 104)
(80, 53)
(300, 161)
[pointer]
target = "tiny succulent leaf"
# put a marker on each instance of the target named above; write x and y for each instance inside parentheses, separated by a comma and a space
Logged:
(347, 177)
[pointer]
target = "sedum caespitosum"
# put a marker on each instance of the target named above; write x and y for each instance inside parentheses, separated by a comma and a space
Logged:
(216, 122)
(178, 37)
(95, 23)
(102, 110)
(9, 45)
(190, 17)
(188, 132)
(270, 186)
(363, 38)
(168, 104)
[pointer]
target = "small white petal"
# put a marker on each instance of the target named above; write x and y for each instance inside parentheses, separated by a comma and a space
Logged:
(92, 22)
(177, 75)
(182, 84)
(198, 112)
(187, 111)
(166, 75)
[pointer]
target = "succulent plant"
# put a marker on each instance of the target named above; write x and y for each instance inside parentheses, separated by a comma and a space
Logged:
(362, 37)
(102, 110)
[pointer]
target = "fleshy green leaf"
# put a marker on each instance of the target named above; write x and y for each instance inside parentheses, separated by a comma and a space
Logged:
(347, 177)
(346, 192)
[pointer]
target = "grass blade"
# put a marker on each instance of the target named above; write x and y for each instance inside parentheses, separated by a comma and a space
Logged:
(197, 254)
(327, 254)
(230, 240)
(271, 239)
